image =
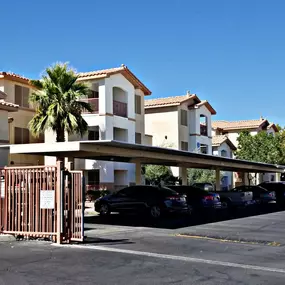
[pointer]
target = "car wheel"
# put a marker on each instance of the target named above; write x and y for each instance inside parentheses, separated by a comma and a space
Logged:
(104, 210)
(155, 212)
(225, 204)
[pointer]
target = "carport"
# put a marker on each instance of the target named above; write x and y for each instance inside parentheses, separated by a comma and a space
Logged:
(141, 154)
(61, 214)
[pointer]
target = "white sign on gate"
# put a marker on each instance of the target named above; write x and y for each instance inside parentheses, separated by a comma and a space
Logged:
(47, 199)
(2, 187)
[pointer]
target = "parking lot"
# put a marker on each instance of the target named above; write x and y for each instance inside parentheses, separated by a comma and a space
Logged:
(246, 250)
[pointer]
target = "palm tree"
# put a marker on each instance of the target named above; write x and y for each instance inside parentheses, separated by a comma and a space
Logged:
(57, 104)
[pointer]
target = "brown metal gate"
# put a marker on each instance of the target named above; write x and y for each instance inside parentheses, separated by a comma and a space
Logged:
(22, 212)
(73, 218)
(29, 202)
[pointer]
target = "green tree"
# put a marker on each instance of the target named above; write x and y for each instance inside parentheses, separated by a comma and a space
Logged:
(201, 175)
(262, 147)
(57, 104)
(156, 173)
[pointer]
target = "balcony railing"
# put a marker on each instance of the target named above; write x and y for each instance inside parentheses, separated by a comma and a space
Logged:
(203, 130)
(94, 103)
(120, 109)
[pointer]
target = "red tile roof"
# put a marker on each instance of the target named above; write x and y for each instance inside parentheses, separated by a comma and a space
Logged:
(8, 104)
(220, 139)
(207, 105)
(169, 101)
(107, 72)
(244, 124)
(14, 77)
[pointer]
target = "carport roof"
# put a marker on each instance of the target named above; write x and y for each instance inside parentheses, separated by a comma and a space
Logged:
(126, 152)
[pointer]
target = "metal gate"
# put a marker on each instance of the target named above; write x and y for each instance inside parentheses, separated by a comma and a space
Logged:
(32, 198)
(22, 192)
(73, 208)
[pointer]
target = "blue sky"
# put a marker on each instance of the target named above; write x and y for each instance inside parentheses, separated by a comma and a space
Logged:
(230, 52)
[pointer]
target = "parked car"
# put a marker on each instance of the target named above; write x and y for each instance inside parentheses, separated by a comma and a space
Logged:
(199, 200)
(278, 188)
(260, 194)
(153, 200)
(207, 186)
(236, 198)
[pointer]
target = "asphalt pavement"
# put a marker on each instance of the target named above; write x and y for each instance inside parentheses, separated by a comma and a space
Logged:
(119, 254)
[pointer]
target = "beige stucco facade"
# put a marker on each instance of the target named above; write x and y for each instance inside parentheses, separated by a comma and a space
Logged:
(19, 119)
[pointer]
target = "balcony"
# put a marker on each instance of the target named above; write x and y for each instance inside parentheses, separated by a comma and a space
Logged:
(94, 103)
(203, 130)
(120, 109)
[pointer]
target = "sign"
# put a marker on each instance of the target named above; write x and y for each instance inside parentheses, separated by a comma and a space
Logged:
(47, 199)
(2, 187)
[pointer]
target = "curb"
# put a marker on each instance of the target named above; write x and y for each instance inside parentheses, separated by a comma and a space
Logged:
(7, 238)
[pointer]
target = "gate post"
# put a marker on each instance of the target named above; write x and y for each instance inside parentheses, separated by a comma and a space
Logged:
(59, 201)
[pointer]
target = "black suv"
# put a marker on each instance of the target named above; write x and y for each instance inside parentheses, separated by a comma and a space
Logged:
(153, 200)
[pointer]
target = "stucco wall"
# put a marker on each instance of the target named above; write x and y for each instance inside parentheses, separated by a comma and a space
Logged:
(195, 136)
(163, 124)
(20, 120)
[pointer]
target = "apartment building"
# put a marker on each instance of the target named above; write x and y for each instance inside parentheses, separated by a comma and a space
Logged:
(231, 130)
(5, 109)
(16, 90)
(181, 122)
(117, 99)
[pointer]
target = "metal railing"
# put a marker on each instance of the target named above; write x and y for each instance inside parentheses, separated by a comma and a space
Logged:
(94, 102)
(120, 109)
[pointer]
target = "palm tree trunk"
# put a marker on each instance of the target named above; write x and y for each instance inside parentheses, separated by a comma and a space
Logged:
(60, 137)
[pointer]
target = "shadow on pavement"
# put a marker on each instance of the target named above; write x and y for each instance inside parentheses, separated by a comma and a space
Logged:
(175, 221)
(95, 240)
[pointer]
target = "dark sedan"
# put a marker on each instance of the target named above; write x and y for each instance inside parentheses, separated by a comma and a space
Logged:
(153, 200)
(198, 199)
(278, 188)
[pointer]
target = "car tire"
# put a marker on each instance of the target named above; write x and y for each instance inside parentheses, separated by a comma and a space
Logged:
(104, 210)
(226, 204)
(155, 212)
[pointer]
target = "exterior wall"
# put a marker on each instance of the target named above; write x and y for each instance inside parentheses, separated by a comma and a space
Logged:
(162, 124)
(140, 118)
(218, 151)
(20, 120)
(194, 129)
(4, 137)
(147, 140)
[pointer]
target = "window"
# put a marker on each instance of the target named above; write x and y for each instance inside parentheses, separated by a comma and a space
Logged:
(93, 135)
(138, 138)
(184, 121)
(93, 94)
(138, 104)
(204, 149)
(21, 136)
(22, 96)
(203, 125)
(184, 146)
(224, 153)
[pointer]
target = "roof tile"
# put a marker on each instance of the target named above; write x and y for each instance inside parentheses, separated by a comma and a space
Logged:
(220, 139)
(168, 101)
(244, 124)
(107, 72)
